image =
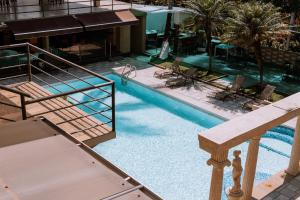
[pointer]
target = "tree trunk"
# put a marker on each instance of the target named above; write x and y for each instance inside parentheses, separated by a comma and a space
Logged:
(209, 47)
(292, 23)
(168, 25)
(259, 60)
(175, 46)
(169, 19)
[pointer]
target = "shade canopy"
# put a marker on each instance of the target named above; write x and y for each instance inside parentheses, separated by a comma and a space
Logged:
(104, 20)
(27, 29)
(42, 27)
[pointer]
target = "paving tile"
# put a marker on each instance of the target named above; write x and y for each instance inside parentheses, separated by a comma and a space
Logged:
(292, 187)
(287, 192)
(295, 183)
(274, 194)
(282, 197)
(298, 178)
(268, 198)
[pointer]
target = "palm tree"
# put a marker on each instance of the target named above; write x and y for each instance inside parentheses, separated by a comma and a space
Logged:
(208, 14)
(252, 23)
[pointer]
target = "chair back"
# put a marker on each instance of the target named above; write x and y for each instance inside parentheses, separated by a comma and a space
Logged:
(190, 73)
(176, 65)
(237, 83)
(267, 92)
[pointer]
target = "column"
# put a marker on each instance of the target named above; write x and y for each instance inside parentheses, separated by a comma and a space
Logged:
(293, 168)
(138, 35)
(250, 168)
(96, 3)
(218, 161)
(46, 44)
(125, 41)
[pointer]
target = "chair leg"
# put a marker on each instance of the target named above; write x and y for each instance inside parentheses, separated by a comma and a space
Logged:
(215, 51)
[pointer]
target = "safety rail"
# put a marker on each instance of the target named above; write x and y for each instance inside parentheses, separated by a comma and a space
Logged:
(45, 8)
(39, 68)
(220, 139)
(22, 100)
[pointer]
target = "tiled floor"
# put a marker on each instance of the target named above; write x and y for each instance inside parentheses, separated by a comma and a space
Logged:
(290, 190)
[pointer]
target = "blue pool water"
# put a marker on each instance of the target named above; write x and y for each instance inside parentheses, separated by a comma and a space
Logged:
(157, 142)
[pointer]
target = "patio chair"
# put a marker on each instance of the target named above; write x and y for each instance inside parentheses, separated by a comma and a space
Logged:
(232, 90)
(262, 100)
(173, 70)
(184, 79)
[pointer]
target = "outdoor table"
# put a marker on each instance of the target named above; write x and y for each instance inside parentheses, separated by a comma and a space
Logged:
(187, 41)
(216, 41)
(223, 46)
(151, 32)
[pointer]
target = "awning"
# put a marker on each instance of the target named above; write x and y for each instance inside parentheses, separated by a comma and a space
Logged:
(27, 29)
(104, 20)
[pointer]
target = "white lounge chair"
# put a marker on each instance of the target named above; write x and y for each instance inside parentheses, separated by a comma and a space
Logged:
(166, 73)
(232, 89)
(262, 100)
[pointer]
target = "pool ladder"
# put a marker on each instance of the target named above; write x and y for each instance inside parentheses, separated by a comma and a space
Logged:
(127, 73)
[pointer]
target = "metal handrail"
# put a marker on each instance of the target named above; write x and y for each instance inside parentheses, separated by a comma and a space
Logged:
(22, 98)
(56, 62)
(12, 90)
(65, 6)
(125, 74)
(69, 63)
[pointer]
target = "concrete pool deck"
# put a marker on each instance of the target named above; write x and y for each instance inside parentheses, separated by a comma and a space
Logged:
(199, 95)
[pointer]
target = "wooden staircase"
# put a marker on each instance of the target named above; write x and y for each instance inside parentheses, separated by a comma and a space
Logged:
(85, 129)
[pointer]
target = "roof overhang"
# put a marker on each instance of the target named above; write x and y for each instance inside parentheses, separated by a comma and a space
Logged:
(104, 20)
(32, 28)
(40, 161)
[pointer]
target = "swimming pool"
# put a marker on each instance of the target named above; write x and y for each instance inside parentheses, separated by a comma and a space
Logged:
(157, 142)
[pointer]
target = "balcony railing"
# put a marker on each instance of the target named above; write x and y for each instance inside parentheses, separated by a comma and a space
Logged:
(49, 8)
(30, 64)
(220, 139)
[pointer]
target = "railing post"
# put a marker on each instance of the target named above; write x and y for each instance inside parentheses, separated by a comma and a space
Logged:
(15, 9)
(113, 104)
(293, 168)
(105, 48)
(23, 107)
(29, 63)
(91, 6)
(112, 4)
(68, 7)
(250, 168)
(43, 7)
(218, 161)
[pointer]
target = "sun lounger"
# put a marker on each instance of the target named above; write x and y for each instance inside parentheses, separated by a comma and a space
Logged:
(262, 99)
(184, 79)
(232, 90)
(166, 73)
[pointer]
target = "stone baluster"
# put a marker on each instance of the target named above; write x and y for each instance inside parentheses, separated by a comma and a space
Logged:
(250, 168)
(235, 192)
(218, 161)
(293, 168)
